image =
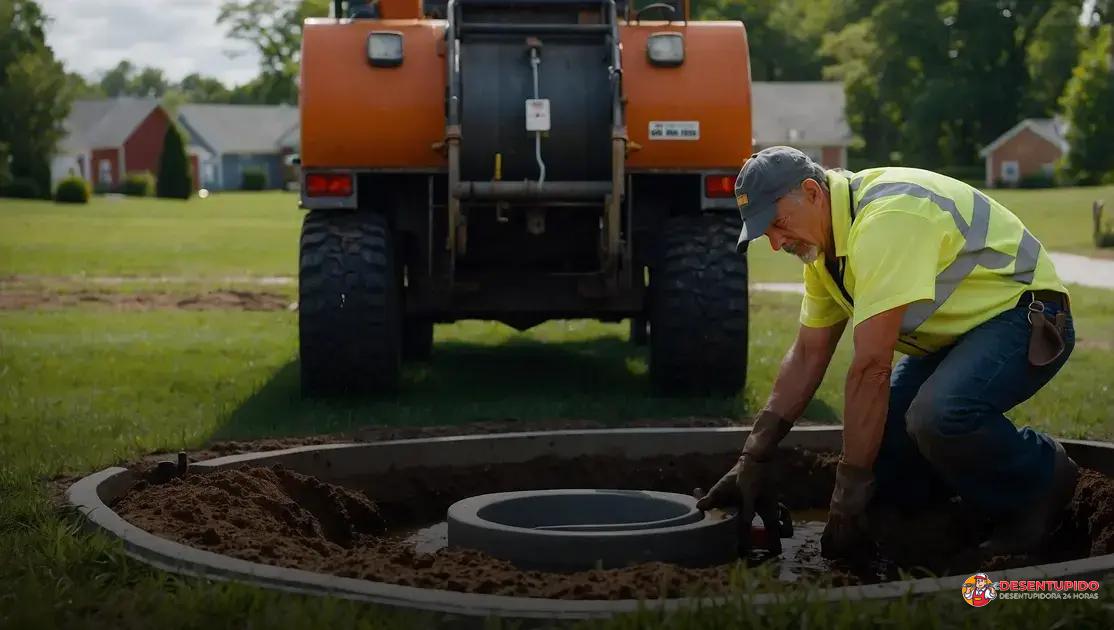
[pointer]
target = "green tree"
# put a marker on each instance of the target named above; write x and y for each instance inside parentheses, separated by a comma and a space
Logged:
(127, 79)
(1088, 104)
(149, 82)
(853, 51)
(117, 81)
(777, 53)
(930, 82)
(274, 29)
(79, 87)
(174, 179)
(34, 100)
(1102, 12)
(266, 89)
(196, 88)
(1051, 55)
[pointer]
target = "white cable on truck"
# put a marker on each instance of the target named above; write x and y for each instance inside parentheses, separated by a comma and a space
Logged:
(535, 61)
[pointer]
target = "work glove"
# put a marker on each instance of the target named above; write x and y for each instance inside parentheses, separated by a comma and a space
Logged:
(846, 535)
(751, 483)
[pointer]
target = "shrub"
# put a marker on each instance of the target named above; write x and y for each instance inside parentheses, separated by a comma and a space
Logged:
(174, 180)
(5, 168)
(965, 172)
(1086, 104)
(103, 188)
(138, 184)
(253, 178)
(72, 189)
(1037, 180)
(23, 188)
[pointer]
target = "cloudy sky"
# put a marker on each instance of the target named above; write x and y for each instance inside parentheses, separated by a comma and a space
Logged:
(179, 36)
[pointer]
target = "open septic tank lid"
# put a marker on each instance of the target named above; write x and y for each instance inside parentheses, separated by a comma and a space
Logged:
(584, 529)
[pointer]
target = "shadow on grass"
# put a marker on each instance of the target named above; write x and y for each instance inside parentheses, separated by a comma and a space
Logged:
(602, 379)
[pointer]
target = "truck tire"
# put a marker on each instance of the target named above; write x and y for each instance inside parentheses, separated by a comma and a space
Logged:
(698, 308)
(349, 314)
(417, 339)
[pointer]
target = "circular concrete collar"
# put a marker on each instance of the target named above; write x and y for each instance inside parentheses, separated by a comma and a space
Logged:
(568, 530)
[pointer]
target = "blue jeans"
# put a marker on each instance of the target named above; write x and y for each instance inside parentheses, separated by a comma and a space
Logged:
(945, 433)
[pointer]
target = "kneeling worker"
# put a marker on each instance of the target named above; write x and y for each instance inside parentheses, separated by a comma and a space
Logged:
(931, 267)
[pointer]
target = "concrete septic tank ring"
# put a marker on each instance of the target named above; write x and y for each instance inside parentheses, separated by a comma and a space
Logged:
(93, 495)
(568, 530)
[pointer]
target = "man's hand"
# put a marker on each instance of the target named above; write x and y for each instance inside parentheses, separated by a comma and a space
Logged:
(750, 484)
(846, 536)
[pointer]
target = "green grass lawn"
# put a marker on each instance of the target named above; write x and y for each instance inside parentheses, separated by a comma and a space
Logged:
(227, 234)
(256, 234)
(1060, 217)
(81, 389)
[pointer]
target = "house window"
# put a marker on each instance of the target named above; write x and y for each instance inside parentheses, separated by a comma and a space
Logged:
(1011, 172)
(210, 174)
(104, 172)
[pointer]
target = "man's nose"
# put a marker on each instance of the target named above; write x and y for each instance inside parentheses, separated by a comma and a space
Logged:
(776, 240)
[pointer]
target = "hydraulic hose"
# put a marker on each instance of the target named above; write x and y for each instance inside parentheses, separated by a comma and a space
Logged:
(535, 61)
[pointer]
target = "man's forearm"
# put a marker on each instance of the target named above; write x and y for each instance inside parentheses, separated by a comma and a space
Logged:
(797, 380)
(867, 397)
(866, 402)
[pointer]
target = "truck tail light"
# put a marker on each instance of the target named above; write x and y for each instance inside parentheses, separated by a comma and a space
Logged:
(329, 184)
(718, 186)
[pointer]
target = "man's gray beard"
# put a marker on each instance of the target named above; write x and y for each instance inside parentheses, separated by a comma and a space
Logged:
(808, 256)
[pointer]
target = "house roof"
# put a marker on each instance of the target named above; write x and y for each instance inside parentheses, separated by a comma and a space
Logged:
(1051, 129)
(801, 113)
(292, 139)
(95, 124)
(239, 128)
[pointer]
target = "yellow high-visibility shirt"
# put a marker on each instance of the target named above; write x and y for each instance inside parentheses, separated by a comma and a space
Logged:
(910, 236)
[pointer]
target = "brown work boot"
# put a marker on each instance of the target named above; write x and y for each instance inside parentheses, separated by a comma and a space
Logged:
(1024, 531)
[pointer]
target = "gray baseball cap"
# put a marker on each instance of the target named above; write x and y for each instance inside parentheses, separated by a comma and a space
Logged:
(765, 177)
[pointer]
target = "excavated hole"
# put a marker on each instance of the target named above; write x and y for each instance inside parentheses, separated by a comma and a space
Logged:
(389, 527)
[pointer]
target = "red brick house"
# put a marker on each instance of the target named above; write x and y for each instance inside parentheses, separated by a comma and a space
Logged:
(106, 139)
(1030, 148)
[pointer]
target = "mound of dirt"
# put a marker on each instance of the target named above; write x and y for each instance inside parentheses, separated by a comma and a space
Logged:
(211, 300)
(363, 530)
(262, 514)
(1091, 513)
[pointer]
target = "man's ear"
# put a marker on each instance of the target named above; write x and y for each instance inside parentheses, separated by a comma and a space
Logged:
(813, 192)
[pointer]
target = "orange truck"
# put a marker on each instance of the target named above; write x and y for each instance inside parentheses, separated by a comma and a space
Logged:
(521, 161)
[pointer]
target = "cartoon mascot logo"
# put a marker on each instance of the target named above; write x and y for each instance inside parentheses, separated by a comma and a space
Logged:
(979, 590)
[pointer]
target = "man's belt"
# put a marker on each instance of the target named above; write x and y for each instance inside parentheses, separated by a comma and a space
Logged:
(1047, 296)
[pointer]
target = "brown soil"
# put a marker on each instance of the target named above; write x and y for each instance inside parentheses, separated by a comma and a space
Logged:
(276, 516)
(211, 300)
(484, 427)
(374, 433)
(264, 513)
